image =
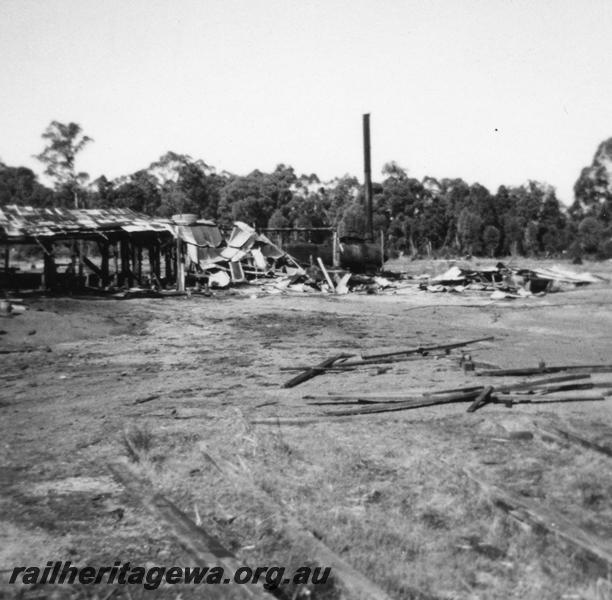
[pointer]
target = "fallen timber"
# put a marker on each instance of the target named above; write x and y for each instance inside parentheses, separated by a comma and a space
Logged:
(402, 396)
(202, 546)
(544, 369)
(339, 362)
(483, 397)
(542, 384)
(399, 406)
(426, 349)
(532, 513)
(353, 583)
(314, 371)
(406, 405)
(358, 363)
(25, 349)
(561, 435)
(512, 399)
(540, 391)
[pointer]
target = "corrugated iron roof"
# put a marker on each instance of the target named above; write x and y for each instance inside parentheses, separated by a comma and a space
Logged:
(19, 223)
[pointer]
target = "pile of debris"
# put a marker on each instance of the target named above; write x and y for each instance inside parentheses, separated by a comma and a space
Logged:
(250, 257)
(507, 282)
(246, 254)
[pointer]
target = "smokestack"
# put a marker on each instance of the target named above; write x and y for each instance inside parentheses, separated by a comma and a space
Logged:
(367, 169)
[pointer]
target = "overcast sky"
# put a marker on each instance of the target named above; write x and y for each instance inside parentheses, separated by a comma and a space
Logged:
(494, 91)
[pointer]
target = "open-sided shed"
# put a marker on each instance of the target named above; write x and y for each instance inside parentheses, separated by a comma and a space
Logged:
(121, 235)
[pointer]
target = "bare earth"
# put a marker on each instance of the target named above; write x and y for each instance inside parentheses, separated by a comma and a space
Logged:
(387, 493)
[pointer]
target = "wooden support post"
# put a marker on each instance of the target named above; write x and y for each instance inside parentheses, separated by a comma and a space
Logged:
(330, 283)
(125, 278)
(180, 267)
(49, 274)
(6, 258)
(139, 268)
(168, 265)
(151, 256)
(382, 249)
(133, 260)
(157, 260)
(80, 247)
(116, 263)
(88, 263)
(104, 251)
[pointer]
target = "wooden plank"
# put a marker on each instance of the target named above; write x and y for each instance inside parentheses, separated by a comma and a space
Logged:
(126, 277)
(542, 370)
(427, 349)
(388, 396)
(402, 397)
(104, 253)
(370, 362)
(481, 399)
(92, 266)
(511, 399)
(205, 548)
(314, 371)
(146, 399)
(25, 349)
(397, 406)
(330, 283)
(352, 581)
(297, 421)
(544, 517)
(536, 383)
(563, 435)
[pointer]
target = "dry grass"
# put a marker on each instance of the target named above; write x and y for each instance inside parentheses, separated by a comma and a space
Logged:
(391, 512)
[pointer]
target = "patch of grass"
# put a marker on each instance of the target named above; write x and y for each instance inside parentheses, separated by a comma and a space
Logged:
(374, 493)
(138, 442)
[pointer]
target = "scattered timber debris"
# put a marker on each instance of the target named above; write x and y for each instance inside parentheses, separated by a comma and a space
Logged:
(342, 362)
(536, 391)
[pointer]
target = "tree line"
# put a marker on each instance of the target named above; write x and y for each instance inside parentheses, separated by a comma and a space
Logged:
(428, 216)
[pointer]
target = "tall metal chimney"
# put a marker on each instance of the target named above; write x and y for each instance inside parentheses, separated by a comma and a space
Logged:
(367, 169)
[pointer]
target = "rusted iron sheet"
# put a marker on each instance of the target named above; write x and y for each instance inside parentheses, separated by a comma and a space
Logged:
(24, 223)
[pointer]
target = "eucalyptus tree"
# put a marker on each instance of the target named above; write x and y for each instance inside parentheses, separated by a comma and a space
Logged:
(64, 142)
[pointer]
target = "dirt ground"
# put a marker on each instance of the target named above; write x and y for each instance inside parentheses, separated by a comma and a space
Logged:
(182, 379)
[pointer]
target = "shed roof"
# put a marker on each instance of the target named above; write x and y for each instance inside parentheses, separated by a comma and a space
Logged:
(26, 223)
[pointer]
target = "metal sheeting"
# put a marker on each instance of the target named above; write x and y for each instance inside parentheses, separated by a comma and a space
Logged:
(202, 235)
(25, 223)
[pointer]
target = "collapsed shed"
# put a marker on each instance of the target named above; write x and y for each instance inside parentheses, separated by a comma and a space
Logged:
(118, 247)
